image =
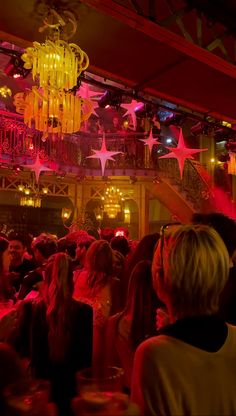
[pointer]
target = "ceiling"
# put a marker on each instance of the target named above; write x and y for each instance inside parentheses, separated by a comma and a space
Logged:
(161, 48)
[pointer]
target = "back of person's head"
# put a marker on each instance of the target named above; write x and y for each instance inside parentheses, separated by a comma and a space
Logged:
(85, 240)
(14, 236)
(107, 234)
(190, 269)
(118, 263)
(121, 244)
(142, 302)
(99, 262)
(61, 284)
(65, 245)
(4, 243)
(224, 225)
(143, 251)
(46, 244)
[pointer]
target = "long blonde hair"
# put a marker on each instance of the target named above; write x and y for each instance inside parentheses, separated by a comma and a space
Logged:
(58, 298)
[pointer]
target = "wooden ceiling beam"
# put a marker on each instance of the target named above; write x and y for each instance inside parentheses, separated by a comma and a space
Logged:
(161, 34)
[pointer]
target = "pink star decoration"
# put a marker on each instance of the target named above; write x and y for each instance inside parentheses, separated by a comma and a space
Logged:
(85, 92)
(103, 154)
(131, 107)
(37, 167)
(181, 152)
(150, 141)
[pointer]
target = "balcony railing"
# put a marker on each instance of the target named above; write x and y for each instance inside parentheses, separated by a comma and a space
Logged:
(19, 145)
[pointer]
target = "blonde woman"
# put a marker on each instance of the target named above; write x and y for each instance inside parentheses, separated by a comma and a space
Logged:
(190, 367)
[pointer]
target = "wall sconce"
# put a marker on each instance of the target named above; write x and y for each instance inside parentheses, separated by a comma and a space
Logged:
(45, 190)
(66, 213)
(126, 216)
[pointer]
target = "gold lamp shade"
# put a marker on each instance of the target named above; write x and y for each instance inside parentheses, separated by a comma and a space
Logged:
(56, 64)
(52, 111)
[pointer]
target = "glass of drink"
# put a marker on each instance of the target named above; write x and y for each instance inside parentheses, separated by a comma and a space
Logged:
(100, 392)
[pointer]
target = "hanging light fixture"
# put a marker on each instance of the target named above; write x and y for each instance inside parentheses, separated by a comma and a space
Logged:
(56, 64)
(52, 111)
(112, 201)
(31, 196)
(31, 201)
(53, 107)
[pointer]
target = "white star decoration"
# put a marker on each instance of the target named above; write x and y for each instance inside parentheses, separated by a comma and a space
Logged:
(131, 107)
(150, 141)
(103, 154)
(181, 152)
(37, 167)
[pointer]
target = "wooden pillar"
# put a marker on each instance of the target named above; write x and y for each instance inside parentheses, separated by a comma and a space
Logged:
(208, 142)
(143, 211)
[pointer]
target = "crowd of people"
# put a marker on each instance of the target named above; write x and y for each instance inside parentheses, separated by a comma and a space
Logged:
(163, 309)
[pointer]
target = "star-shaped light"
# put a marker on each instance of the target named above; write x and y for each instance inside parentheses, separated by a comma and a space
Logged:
(181, 152)
(150, 141)
(37, 167)
(131, 107)
(85, 92)
(103, 154)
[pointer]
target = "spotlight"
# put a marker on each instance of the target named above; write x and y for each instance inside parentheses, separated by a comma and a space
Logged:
(110, 98)
(175, 120)
(15, 68)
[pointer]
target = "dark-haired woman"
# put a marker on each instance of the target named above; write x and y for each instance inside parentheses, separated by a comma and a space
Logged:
(126, 330)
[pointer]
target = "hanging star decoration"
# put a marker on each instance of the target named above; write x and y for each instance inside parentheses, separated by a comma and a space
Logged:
(85, 92)
(131, 107)
(37, 167)
(103, 154)
(181, 153)
(150, 141)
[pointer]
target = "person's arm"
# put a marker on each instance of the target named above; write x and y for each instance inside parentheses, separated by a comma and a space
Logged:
(28, 282)
(145, 386)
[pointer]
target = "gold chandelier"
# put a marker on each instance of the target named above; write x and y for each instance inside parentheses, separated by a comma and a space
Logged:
(53, 106)
(56, 64)
(31, 197)
(52, 111)
(112, 201)
(31, 201)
